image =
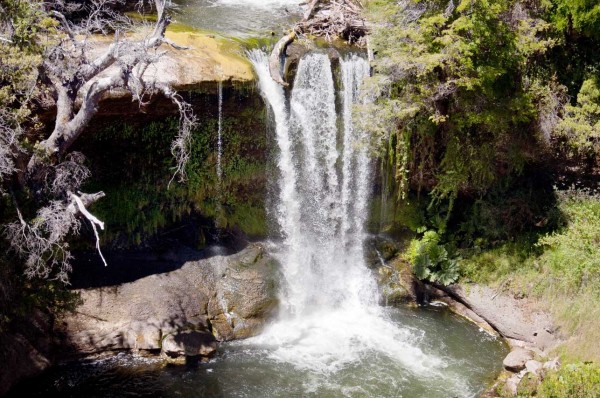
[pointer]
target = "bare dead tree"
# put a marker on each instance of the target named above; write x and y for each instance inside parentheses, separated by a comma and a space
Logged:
(9, 144)
(43, 241)
(80, 77)
(81, 70)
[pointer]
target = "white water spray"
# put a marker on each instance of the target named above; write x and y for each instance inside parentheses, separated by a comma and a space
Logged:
(330, 317)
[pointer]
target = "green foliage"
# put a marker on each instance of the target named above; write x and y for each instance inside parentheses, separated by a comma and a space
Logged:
(132, 163)
(560, 269)
(572, 254)
(581, 124)
(453, 86)
(431, 260)
(20, 296)
(580, 380)
(581, 16)
(25, 29)
(566, 261)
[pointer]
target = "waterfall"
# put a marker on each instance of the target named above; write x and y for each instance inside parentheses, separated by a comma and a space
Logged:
(330, 317)
(219, 136)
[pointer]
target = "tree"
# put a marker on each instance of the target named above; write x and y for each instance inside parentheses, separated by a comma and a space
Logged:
(75, 70)
(456, 84)
(577, 17)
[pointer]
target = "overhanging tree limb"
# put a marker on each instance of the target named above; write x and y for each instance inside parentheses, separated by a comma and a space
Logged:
(80, 82)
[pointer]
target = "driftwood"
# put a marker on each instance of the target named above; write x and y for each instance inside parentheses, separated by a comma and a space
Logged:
(334, 18)
(323, 18)
(275, 58)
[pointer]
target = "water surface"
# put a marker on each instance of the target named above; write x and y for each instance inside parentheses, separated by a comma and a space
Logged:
(468, 360)
(240, 18)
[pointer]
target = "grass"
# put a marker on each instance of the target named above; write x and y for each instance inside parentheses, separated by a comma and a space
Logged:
(573, 381)
(560, 270)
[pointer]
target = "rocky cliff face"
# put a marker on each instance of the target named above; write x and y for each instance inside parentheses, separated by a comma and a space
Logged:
(183, 312)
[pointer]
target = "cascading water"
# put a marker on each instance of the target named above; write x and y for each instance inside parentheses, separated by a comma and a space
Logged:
(330, 319)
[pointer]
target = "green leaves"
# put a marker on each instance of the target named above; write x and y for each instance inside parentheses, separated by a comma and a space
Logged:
(582, 16)
(456, 90)
(431, 260)
(581, 124)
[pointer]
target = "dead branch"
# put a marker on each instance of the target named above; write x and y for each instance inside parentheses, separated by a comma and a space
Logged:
(80, 78)
(334, 18)
(180, 147)
(92, 219)
(42, 242)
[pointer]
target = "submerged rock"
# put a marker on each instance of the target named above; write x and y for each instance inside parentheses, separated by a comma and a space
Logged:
(228, 297)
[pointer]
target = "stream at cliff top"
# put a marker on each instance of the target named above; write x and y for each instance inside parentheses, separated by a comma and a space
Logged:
(240, 18)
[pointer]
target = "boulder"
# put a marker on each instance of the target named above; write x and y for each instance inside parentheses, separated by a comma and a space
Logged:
(534, 367)
(190, 344)
(393, 291)
(380, 250)
(515, 361)
(514, 319)
(553, 364)
(227, 296)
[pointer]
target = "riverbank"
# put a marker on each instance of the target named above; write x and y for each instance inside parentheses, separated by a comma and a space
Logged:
(542, 295)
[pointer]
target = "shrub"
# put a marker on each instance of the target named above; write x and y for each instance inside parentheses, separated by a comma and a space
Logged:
(580, 380)
(431, 260)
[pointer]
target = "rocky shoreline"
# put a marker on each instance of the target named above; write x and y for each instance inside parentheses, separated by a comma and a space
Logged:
(529, 332)
(181, 315)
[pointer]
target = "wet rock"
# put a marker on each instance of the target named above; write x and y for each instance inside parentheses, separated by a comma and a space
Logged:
(380, 250)
(190, 344)
(515, 361)
(392, 290)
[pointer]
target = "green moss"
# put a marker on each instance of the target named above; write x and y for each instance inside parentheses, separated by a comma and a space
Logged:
(133, 165)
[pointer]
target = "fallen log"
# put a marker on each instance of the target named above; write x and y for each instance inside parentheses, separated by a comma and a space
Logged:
(276, 55)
